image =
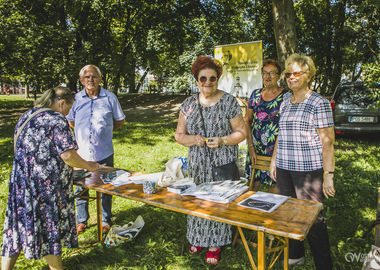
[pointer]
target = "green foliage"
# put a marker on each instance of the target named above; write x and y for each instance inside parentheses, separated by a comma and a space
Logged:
(339, 35)
(371, 73)
(180, 84)
(47, 42)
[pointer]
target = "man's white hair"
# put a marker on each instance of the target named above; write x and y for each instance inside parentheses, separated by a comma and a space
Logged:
(83, 70)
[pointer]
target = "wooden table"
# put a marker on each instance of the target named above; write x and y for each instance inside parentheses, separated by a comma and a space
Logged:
(292, 219)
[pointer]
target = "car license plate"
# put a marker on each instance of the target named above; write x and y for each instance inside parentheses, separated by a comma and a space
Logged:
(361, 119)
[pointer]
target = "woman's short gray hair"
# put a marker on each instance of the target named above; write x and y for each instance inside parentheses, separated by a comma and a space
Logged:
(304, 61)
(83, 70)
(49, 97)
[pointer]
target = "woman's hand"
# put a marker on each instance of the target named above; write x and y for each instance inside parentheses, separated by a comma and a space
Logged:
(252, 154)
(214, 142)
(272, 170)
(328, 185)
(199, 140)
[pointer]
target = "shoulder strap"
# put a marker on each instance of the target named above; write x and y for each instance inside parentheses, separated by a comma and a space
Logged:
(23, 125)
(200, 112)
(208, 154)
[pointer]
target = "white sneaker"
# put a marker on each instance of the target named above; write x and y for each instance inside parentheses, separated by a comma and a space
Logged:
(291, 262)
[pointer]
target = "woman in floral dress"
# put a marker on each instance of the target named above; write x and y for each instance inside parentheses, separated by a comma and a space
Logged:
(262, 119)
(223, 129)
(40, 216)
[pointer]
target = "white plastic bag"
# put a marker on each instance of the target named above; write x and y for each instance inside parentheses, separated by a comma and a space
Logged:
(119, 234)
(372, 261)
(173, 172)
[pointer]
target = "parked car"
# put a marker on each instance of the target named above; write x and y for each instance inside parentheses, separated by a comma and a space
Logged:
(355, 109)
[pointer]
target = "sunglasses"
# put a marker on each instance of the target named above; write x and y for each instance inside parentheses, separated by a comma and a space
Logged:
(203, 79)
(295, 74)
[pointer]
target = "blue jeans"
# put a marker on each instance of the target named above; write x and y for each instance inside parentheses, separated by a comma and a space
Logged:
(82, 204)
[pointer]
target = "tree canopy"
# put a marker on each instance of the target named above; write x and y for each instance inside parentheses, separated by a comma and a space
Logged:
(44, 43)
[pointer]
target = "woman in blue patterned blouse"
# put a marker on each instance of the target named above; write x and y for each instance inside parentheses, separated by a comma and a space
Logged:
(261, 121)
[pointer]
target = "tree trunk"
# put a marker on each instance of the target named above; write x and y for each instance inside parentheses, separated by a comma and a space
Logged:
(131, 78)
(338, 56)
(284, 29)
(326, 68)
(26, 90)
(116, 84)
(141, 82)
(105, 80)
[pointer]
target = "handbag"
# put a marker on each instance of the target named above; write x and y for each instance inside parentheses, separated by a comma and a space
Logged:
(229, 171)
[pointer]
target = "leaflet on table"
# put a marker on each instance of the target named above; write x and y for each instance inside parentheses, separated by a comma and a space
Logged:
(225, 198)
(264, 201)
(138, 179)
(79, 174)
(221, 192)
(116, 178)
(179, 189)
(181, 185)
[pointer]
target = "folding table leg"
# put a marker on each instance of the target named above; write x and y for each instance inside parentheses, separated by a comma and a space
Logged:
(99, 214)
(247, 248)
(286, 254)
(261, 250)
(98, 199)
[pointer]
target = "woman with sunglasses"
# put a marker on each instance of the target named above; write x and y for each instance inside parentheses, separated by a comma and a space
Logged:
(40, 216)
(303, 161)
(211, 125)
(261, 121)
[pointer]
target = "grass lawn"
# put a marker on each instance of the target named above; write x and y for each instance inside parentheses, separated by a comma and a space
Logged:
(145, 143)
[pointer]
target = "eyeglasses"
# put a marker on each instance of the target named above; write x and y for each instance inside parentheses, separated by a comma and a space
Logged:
(272, 73)
(203, 79)
(295, 74)
(90, 77)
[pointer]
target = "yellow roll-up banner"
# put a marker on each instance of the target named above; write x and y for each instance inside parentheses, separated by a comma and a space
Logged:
(241, 67)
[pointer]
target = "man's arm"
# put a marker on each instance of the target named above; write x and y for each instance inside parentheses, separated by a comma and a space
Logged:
(117, 124)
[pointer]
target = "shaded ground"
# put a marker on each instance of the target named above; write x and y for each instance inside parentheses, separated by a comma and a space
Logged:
(131, 104)
(165, 106)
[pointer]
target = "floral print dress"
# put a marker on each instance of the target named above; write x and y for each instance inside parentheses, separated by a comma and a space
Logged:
(264, 130)
(40, 216)
(204, 232)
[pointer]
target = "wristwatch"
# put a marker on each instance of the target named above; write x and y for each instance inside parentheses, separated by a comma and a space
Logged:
(327, 172)
(224, 141)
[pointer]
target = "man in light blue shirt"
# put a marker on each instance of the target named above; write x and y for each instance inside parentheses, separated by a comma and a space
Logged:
(94, 115)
